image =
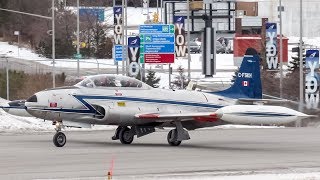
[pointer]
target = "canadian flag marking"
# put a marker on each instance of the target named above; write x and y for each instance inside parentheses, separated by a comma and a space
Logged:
(245, 83)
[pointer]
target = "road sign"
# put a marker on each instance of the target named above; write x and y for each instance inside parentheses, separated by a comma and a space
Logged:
(157, 43)
(159, 58)
(157, 38)
(133, 55)
(118, 52)
(77, 56)
(158, 48)
(156, 28)
(94, 12)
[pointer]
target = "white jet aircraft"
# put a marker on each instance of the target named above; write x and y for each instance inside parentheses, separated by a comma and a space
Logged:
(137, 109)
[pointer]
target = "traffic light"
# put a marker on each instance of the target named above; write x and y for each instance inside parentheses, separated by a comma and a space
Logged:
(296, 55)
(295, 63)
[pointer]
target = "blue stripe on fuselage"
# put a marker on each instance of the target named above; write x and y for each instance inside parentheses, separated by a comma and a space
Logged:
(122, 98)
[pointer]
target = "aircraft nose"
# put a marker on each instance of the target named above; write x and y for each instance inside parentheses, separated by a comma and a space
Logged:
(6, 108)
(33, 98)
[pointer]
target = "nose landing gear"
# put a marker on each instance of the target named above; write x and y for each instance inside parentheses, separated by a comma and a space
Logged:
(59, 139)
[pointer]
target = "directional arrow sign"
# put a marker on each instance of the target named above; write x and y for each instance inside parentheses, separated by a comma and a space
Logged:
(158, 38)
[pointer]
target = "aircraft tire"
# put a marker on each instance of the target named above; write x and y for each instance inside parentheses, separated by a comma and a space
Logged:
(125, 136)
(59, 139)
(169, 138)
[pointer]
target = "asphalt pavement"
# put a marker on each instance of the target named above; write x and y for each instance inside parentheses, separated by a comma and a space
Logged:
(90, 154)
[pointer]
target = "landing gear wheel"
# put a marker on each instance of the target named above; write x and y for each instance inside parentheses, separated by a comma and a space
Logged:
(59, 139)
(125, 136)
(171, 136)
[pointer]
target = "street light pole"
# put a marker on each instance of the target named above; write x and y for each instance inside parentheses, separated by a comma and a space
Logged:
(53, 48)
(188, 40)
(300, 67)
(123, 54)
(78, 41)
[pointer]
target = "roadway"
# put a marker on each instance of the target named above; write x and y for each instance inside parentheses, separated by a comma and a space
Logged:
(88, 154)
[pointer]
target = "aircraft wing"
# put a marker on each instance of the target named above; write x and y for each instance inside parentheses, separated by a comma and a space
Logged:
(163, 117)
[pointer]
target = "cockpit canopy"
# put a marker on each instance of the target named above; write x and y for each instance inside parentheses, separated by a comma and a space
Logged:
(106, 80)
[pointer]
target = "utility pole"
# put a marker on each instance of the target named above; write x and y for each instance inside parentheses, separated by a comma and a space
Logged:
(281, 54)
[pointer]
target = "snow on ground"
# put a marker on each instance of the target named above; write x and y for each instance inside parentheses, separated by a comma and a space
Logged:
(9, 123)
(13, 51)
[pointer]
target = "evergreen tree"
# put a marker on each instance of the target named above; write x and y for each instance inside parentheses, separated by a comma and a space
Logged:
(152, 80)
(181, 81)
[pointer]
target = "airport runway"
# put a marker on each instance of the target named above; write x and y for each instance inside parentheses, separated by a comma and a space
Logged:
(88, 154)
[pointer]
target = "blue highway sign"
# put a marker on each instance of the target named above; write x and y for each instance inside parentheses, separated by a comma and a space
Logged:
(158, 48)
(118, 52)
(157, 38)
(156, 28)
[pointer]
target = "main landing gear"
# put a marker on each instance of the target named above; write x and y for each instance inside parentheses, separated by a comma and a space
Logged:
(126, 134)
(59, 139)
(175, 136)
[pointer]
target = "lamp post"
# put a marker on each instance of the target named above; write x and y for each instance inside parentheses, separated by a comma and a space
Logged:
(78, 41)
(298, 124)
(188, 40)
(280, 9)
(53, 48)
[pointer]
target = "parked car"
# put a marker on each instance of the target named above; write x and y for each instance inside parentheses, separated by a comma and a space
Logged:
(195, 47)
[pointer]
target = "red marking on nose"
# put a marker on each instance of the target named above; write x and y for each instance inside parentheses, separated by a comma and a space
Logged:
(53, 104)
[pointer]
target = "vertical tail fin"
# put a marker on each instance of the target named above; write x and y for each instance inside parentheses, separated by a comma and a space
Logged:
(248, 82)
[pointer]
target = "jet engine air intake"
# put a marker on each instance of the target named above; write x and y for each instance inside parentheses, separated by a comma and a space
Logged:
(100, 111)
